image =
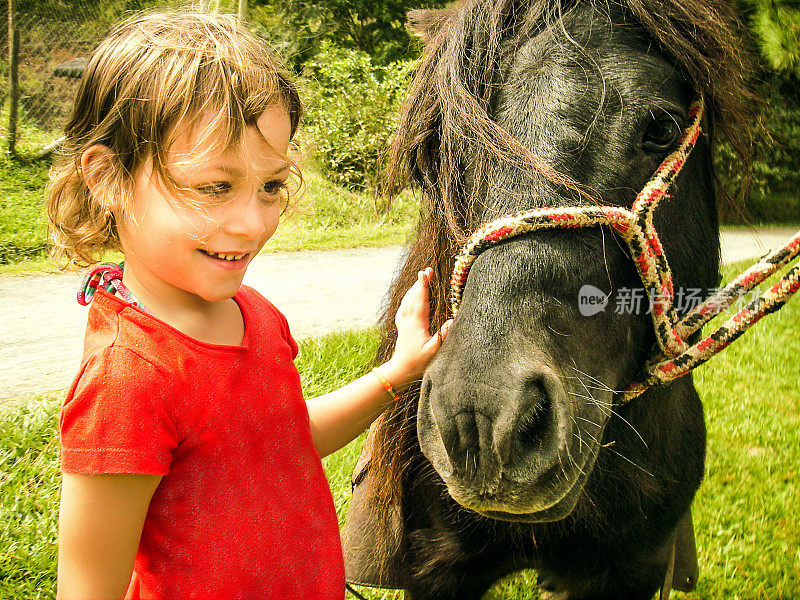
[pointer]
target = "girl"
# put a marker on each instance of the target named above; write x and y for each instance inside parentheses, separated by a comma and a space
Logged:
(191, 463)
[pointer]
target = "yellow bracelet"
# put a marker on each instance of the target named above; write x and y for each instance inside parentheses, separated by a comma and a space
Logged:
(385, 383)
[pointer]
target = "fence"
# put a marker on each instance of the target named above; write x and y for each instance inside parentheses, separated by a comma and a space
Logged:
(46, 63)
(36, 106)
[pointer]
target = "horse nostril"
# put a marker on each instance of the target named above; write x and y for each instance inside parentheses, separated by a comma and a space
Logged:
(534, 422)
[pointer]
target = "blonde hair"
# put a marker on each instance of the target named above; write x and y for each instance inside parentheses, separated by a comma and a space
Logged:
(155, 71)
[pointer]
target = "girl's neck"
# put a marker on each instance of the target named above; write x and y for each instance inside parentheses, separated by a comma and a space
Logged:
(219, 322)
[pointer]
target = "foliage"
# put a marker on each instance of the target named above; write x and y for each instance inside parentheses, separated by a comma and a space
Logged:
(351, 114)
(775, 174)
(301, 27)
(776, 24)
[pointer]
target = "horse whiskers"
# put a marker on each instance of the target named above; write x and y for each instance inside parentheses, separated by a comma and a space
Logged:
(624, 420)
(628, 460)
(569, 454)
(587, 420)
(625, 458)
(594, 379)
(591, 387)
(610, 449)
(558, 332)
(605, 406)
(577, 434)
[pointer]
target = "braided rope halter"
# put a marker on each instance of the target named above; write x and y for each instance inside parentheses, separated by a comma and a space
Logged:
(673, 357)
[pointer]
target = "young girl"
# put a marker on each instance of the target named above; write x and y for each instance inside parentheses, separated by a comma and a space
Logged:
(191, 463)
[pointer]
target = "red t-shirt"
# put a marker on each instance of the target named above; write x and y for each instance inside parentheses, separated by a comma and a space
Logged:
(244, 509)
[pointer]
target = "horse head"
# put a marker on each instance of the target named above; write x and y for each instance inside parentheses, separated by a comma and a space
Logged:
(518, 106)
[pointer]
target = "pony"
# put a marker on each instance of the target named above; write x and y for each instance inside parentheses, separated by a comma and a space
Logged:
(514, 451)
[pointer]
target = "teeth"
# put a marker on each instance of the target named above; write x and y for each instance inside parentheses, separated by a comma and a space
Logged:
(225, 256)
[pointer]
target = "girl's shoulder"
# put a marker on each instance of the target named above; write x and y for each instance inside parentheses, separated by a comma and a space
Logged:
(117, 328)
(263, 317)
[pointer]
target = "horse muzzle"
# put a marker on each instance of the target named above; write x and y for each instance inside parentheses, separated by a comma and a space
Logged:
(510, 445)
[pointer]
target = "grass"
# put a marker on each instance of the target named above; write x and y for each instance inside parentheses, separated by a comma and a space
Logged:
(330, 216)
(23, 233)
(748, 532)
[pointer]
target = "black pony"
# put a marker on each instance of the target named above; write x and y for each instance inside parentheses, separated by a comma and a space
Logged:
(514, 451)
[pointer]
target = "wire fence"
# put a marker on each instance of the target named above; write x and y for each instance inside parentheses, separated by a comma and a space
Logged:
(49, 59)
(48, 67)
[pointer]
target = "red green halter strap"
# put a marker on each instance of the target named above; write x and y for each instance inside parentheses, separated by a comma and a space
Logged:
(109, 277)
(673, 357)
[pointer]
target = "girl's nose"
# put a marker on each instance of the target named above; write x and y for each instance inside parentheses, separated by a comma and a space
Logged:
(246, 217)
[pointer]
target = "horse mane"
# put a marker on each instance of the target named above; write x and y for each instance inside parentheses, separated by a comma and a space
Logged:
(447, 109)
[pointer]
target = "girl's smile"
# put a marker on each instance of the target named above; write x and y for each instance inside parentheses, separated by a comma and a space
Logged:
(229, 260)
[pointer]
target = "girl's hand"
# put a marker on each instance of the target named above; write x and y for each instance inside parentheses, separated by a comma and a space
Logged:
(415, 346)
(340, 416)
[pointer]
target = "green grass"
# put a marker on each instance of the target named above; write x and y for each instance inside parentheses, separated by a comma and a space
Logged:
(329, 216)
(745, 514)
(23, 232)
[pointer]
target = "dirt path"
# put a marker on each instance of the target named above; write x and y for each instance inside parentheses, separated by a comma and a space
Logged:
(322, 291)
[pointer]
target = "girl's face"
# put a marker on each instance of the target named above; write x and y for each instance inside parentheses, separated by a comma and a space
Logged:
(180, 254)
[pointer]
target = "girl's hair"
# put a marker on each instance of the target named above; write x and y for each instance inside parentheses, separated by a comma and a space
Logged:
(155, 71)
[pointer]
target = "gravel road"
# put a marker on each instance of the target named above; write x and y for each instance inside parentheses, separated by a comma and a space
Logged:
(318, 291)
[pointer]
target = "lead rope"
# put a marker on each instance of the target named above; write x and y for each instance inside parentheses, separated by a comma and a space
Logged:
(673, 357)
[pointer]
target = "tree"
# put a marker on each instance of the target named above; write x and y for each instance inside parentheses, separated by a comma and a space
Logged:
(776, 23)
(377, 27)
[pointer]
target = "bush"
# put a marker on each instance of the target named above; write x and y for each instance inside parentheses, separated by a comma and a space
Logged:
(298, 28)
(772, 197)
(352, 108)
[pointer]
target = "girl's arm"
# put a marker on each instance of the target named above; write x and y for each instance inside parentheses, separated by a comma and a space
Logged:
(99, 526)
(339, 417)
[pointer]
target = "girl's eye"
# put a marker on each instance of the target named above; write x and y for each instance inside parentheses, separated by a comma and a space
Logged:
(273, 188)
(215, 189)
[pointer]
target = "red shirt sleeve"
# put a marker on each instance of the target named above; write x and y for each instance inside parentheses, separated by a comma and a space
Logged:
(116, 417)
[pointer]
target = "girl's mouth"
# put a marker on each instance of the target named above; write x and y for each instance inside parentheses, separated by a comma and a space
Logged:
(228, 260)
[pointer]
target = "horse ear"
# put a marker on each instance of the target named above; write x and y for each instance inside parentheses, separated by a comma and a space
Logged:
(426, 23)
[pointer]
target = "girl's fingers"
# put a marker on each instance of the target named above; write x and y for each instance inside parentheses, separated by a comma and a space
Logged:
(436, 340)
(415, 346)
(416, 299)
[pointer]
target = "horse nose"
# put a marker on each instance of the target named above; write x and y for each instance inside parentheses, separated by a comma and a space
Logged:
(508, 426)
(462, 442)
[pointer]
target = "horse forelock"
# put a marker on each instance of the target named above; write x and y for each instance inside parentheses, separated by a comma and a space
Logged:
(447, 107)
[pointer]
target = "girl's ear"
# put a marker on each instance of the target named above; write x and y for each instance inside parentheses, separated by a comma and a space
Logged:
(97, 165)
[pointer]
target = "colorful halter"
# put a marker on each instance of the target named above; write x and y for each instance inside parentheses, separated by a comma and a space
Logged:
(673, 357)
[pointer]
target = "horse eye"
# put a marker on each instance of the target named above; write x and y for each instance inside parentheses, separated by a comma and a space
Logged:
(661, 134)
